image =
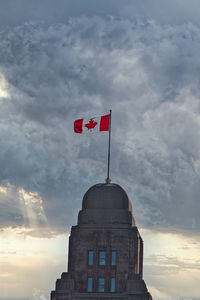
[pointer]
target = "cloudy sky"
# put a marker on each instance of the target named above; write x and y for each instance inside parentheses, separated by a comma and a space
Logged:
(63, 60)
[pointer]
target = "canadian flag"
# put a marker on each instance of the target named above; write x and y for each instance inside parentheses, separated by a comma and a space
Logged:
(93, 124)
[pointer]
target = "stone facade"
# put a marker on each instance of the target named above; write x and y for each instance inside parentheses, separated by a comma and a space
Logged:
(105, 250)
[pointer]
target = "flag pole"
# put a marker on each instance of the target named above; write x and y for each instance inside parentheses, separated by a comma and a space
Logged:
(108, 180)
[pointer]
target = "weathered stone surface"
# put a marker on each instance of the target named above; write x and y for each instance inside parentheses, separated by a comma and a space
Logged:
(105, 227)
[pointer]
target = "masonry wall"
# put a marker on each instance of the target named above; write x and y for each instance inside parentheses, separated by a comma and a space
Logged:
(124, 241)
(105, 223)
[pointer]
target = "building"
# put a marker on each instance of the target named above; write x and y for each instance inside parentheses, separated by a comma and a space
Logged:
(105, 250)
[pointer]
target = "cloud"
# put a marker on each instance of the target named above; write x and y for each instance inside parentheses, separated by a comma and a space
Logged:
(16, 274)
(171, 12)
(78, 60)
(169, 261)
(22, 255)
(146, 72)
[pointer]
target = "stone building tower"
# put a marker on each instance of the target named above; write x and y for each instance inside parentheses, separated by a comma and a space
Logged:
(105, 250)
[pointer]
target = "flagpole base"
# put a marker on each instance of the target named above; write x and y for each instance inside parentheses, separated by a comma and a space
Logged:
(108, 180)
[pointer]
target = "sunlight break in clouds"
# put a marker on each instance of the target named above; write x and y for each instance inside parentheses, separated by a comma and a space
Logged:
(3, 87)
(171, 259)
(30, 264)
(32, 208)
(29, 208)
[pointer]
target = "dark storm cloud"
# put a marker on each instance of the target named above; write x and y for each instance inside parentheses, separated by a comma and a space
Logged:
(171, 11)
(146, 72)
(10, 213)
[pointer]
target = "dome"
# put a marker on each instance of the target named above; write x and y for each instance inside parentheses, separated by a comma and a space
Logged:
(106, 196)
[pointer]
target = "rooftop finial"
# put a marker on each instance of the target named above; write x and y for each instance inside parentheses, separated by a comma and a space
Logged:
(108, 180)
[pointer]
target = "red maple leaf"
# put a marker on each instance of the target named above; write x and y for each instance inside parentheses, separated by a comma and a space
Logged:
(91, 124)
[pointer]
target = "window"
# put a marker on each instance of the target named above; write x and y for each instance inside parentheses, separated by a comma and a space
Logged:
(101, 285)
(89, 284)
(102, 258)
(113, 258)
(112, 285)
(90, 257)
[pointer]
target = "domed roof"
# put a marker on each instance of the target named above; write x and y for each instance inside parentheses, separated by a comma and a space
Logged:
(106, 196)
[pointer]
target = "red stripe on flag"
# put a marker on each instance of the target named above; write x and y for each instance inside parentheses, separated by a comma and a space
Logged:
(78, 126)
(104, 123)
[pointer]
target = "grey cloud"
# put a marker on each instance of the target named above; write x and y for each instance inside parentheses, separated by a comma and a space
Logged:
(167, 263)
(146, 72)
(10, 213)
(156, 276)
(167, 12)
